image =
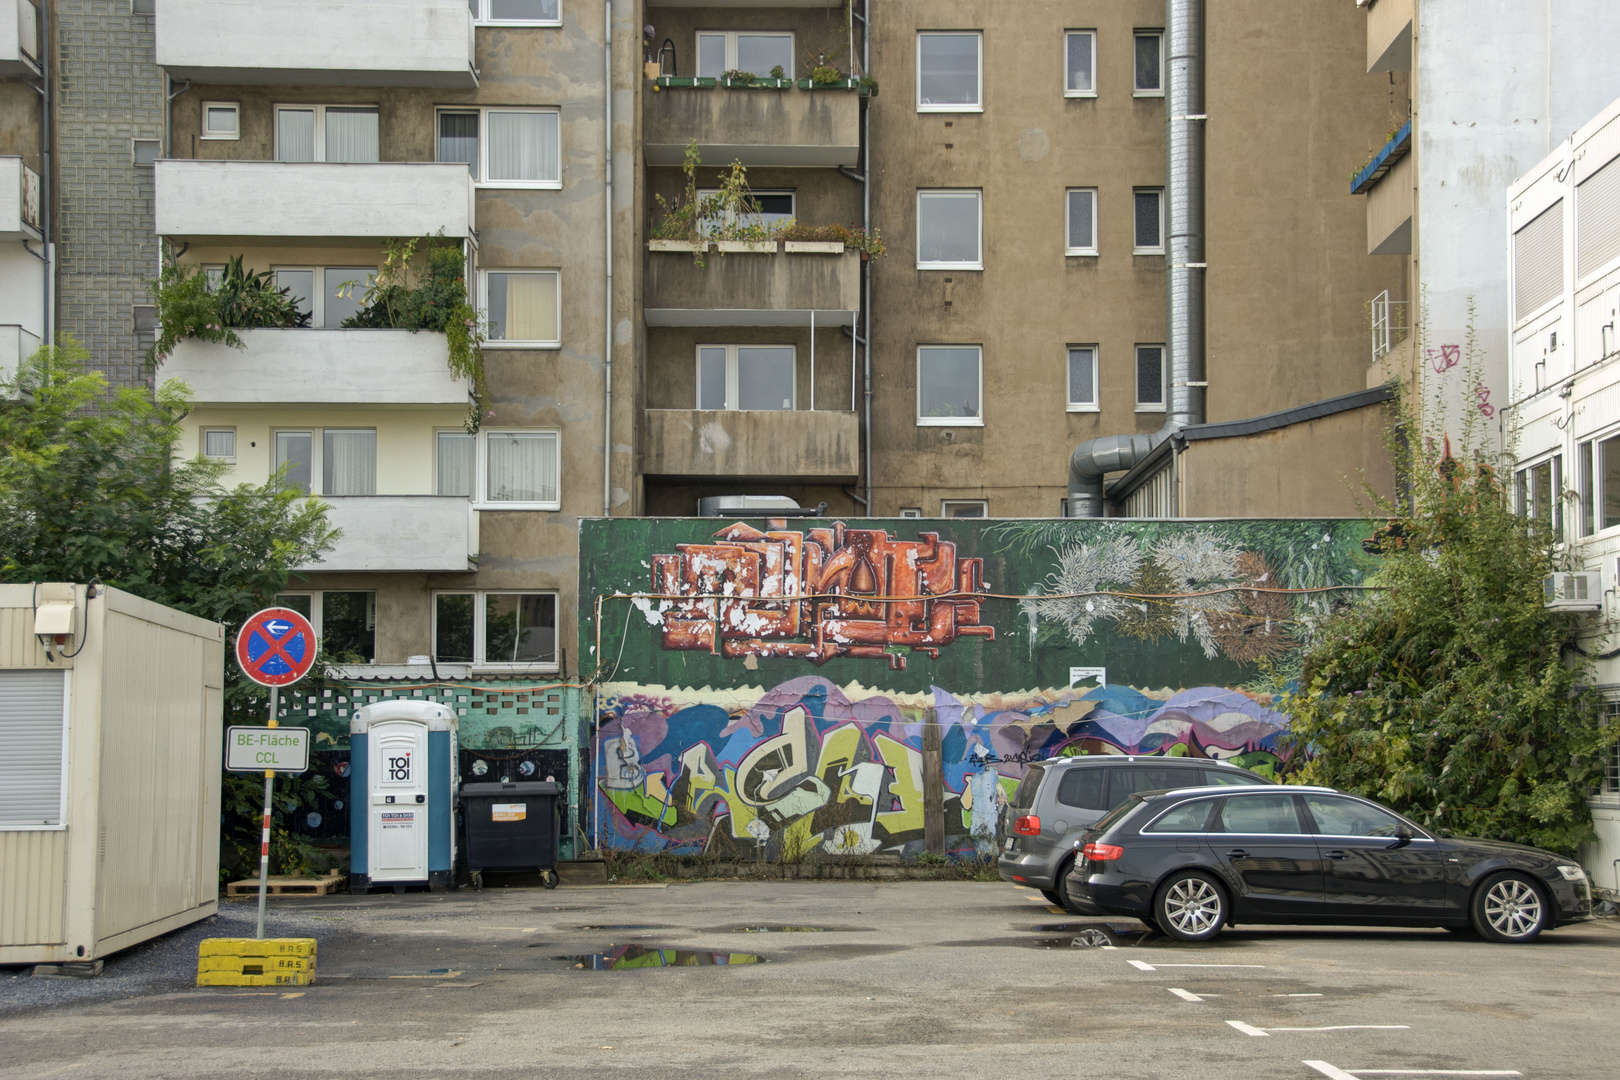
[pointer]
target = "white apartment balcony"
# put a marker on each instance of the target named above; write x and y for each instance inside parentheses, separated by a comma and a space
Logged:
(19, 38)
(309, 367)
(227, 201)
(420, 533)
(19, 200)
(426, 43)
(16, 345)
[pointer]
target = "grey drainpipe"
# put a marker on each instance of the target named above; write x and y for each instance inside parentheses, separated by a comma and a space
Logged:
(866, 222)
(1184, 279)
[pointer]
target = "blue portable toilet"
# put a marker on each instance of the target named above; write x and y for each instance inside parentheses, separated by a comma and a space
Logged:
(402, 787)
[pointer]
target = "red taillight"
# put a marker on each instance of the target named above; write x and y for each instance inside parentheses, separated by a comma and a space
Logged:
(1102, 852)
(1028, 825)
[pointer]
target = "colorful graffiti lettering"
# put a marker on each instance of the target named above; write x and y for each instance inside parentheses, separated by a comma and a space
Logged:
(835, 577)
(808, 767)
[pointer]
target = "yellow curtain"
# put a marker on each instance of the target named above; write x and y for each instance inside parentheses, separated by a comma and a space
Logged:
(531, 307)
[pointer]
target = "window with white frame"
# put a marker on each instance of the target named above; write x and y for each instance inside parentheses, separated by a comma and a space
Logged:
(327, 294)
(767, 208)
(950, 230)
(221, 120)
(950, 385)
(1082, 378)
(964, 508)
(345, 622)
(504, 148)
(1080, 63)
(1609, 786)
(1149, 221)
(1149, 67)
(950, 71)
(757, 52)
(747, 377)
(522, 307)
(514, 629)
(219, 444)
(1597, 467)
(1150, 378)
(520, 470)
(345, 459)
(33, 748)
(327, 133)
(910, 512)
(517, 12)
(455, 463)
(1081, 215)
(1536, 491)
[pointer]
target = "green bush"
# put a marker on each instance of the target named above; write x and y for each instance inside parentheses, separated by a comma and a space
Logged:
(187, 307)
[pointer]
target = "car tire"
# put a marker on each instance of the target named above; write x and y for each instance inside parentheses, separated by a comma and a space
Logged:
(1053, 897)
(1510, 909)
(1190, 906)
(1063, 888)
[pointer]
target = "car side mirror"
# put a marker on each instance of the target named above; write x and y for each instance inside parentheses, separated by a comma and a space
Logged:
(1445, 834)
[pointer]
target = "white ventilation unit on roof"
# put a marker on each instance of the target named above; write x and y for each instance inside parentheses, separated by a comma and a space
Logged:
(1573, 592)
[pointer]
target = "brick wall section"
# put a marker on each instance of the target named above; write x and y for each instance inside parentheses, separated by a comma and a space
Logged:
(109, 90)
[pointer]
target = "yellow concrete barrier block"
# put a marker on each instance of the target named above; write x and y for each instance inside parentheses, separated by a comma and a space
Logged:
(251, 962)
(255, 965)
(229, 978)
(255, 947)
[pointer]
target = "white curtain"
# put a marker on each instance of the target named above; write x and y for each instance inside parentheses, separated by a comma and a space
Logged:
(351, 134)
(523, 146)
(455, 463)
(294, 449)
(523, 307)
(522, 466)
(295, 134)
(349, 463)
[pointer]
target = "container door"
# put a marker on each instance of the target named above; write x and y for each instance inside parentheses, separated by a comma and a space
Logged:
(399, 801)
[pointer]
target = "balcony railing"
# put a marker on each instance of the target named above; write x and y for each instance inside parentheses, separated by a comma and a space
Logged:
(788, 444)
(423, 533)
(19, 200)
(1388, 320)
(1383, 161)
(760, 128)
(767, 287)
(308, 367)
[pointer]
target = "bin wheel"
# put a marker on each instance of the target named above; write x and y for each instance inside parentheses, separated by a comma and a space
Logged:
(478, 881)
(550, 879)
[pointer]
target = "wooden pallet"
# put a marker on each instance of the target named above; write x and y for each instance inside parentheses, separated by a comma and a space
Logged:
(286, 886)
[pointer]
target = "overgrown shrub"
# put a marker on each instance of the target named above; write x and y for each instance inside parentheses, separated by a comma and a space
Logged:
(187, 307)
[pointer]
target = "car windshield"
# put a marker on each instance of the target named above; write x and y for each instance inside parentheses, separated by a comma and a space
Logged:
(1118, 813)
(1024, 796)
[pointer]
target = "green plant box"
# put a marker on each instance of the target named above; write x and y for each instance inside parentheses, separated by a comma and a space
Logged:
(757, 84)
(841, 84)
(682, 82)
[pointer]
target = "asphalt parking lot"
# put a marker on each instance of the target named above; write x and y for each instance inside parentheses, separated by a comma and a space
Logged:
(909, 979)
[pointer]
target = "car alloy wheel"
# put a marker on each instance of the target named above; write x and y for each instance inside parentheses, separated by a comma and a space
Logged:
(1190, 907)
(1509, 909)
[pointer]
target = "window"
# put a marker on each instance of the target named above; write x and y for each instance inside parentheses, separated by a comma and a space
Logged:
(746, 377)
(221, 120)
(720, 51)
(1188, 817)
(518, 12)
(33, 748)
(1086, 788)
(910, 512)
(1136, 778)
(1149, 204)
(303, 603)
(295, 458)
(1150, 378)
(521, 470)
(326, 133)
(504, 147)
(329, 294)
(948, 230)
(1082, 378)
(1259, 814)
(1230, 778)
(950, 72)
(1081, 214)
(1080, 63)
(1597, 219)
(1586, 488)
(522, 306)
(1336, 816)
(1536, 491)
(1610, 784)
(145, 152)
(949, 385)
(219, 443)
(1149, 63)
(1599, 479)
(964, 508)
(347, 462)
(495, 628)
(348, 626)
(769, 208)
(454, 463)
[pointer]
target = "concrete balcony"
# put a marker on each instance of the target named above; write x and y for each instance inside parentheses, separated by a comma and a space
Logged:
(1390, 204)
(227, 201)
(327, 367)
(794, 128)
(1389, 35)
(421, 533)
(747, 289)
(426, 43)
(16, 345)
(798, 445)
(19, 38)
(19, 200)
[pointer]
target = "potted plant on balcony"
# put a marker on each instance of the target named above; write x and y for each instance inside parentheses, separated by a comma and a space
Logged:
(188, 307)
(824, 76)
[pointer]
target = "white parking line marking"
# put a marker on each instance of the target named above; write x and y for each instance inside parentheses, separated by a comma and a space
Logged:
(1334, 1073)
(1250, 1029)
(1144, 966)
(1329, 1071)
(1184, 995)
(1141, 965)
(1296, 995)
(1110, 948)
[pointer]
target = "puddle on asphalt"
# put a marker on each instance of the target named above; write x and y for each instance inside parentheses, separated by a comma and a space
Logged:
(634, 957)
(1077, 927)
(626, 926)
(1090, 938)
(777, 929)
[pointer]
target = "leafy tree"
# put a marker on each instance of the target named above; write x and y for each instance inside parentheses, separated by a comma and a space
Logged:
(1452, 694)
(92, 488)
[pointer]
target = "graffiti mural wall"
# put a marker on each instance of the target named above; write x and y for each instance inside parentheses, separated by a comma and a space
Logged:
(789, 687)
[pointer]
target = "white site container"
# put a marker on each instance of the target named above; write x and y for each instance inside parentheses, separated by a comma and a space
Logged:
(110, 744)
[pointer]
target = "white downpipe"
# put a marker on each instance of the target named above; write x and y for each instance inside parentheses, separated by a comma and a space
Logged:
(812, 359)
(607, 207)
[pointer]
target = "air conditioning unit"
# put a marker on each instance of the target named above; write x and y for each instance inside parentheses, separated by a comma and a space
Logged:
(1573, 592)
(756, 506)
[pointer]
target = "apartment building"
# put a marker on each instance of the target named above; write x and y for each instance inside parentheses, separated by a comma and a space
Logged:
(24, 270)
(1563, 251)
(1473, 95)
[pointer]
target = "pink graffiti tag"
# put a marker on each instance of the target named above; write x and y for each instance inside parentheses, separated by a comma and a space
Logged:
(1483, 392)
(1444, 358)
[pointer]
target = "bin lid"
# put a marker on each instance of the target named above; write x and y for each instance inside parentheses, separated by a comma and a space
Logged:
(437, 717)
(523, 787)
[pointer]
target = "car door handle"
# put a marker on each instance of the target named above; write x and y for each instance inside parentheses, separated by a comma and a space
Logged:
(1336, 853)
(1237, 853)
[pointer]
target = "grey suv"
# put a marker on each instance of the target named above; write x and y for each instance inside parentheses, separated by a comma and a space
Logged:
(1060, 798)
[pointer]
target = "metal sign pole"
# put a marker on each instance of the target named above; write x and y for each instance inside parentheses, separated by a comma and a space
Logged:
(264, 839)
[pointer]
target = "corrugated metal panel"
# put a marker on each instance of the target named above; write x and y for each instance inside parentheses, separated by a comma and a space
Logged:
(19, 648)
(1597, 218)
(1155, 498)
(154, 735)
(31, 727)
(1538, 260)
(32, 870)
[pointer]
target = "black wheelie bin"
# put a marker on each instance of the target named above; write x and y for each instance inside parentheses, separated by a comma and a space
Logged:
(511, 828)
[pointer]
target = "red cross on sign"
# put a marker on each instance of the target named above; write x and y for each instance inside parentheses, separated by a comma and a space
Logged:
(276, 647)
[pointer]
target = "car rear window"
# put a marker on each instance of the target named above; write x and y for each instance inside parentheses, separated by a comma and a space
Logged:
(1117, 814)
(1232, 777)
(1131, 778)
(1084, 788)
(1188, 817)
(1272, 815)
(1023, 797)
